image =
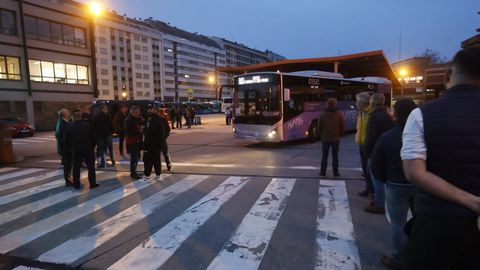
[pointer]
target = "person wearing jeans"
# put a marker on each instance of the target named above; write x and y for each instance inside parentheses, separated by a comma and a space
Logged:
(118, 122)
(386, 168)
(378, 123)
(330, 126)
(103, 127)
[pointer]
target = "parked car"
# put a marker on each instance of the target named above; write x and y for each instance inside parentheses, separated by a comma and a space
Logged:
(18, 126)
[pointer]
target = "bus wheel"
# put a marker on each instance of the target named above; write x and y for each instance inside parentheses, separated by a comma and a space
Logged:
(312, 132)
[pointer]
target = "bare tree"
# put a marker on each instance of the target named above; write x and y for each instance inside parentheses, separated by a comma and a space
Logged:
(434, 57)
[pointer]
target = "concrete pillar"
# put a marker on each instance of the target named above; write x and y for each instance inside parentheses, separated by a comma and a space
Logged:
(30, 111)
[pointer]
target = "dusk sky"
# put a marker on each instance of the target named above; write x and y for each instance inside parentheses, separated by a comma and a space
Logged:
(316, 28)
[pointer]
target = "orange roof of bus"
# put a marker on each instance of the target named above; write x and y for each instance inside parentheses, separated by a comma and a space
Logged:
(364, 64)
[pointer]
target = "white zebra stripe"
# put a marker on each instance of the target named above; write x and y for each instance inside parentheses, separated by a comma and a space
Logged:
(75, 248)
(250, 240)
(31, 232)
(30, 180)
(34, 190)
(17, 174)
(153, 252)
(7, 169)
(336, 246)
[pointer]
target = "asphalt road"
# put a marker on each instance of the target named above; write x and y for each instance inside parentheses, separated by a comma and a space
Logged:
(229, 204)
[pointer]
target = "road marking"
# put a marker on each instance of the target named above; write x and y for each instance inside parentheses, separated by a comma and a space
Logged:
(250, 240)
(34, 190)
(31, 232)
(29, 180)
(41, 139)
(336, 245)
(7, 169)
(17, 143)
(17, 174)
(101, 233)
(25, 141)
(206, 165)
(156, 250)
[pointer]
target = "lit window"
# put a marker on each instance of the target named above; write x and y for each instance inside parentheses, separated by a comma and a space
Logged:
(48, 74)
(71, 73)
(35, 70)
(82, 74)
(46, 71)
(8, 24)
(9, 68)
(60, 75)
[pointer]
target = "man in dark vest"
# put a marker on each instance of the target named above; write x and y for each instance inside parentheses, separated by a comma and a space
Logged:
(80, 140)
(441, 156)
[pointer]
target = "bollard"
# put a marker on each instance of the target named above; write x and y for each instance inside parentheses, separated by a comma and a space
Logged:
(6, 147)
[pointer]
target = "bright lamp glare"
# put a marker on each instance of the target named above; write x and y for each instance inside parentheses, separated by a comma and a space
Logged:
(96, 8)
(403, 72)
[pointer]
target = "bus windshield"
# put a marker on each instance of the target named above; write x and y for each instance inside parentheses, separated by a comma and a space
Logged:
(257, 98)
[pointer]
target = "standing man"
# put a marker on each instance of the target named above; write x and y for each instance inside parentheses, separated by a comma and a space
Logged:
(133, 139)
(62, 123)
(440, 153)
(156, 132)
(330, 127)
(363, 105)
(173, 115)
(228, 115)
(378, 123)
(179, 114)
(386, 166)
(103, 127)
(118, 121)
(80, 140)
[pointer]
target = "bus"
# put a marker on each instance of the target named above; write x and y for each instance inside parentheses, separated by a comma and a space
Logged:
(279, 107)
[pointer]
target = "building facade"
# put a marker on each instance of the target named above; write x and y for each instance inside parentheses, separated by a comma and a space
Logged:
(190, 61)
(45, 61)
(129, 58)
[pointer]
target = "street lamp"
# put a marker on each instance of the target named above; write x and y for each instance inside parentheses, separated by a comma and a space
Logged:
(403, 74)
(213, 81)
(95, 10)
(124, 91)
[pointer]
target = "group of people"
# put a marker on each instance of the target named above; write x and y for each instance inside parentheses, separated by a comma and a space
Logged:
(78, 136)
(424, 160)
(176, 112)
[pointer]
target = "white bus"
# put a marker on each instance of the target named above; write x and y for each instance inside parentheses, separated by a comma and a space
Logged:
(274, 106)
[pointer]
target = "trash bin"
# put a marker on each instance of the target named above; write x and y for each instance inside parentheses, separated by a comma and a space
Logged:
(6, 148)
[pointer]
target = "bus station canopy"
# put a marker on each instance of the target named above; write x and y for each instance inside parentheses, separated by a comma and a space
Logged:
(366, 64)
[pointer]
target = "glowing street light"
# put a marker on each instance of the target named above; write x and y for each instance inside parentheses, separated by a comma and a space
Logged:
(96, 8)
(403, 72)
(211, 79)
(124, 95)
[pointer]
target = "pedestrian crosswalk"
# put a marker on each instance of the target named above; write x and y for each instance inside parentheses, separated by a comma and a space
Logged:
(181, 222)
(34, 140)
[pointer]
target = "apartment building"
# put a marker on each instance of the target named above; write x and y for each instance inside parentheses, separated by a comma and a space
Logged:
(129, 58)
(45, 60)
(190, 61)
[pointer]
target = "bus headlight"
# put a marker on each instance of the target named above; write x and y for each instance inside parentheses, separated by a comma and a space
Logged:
(271, 134)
